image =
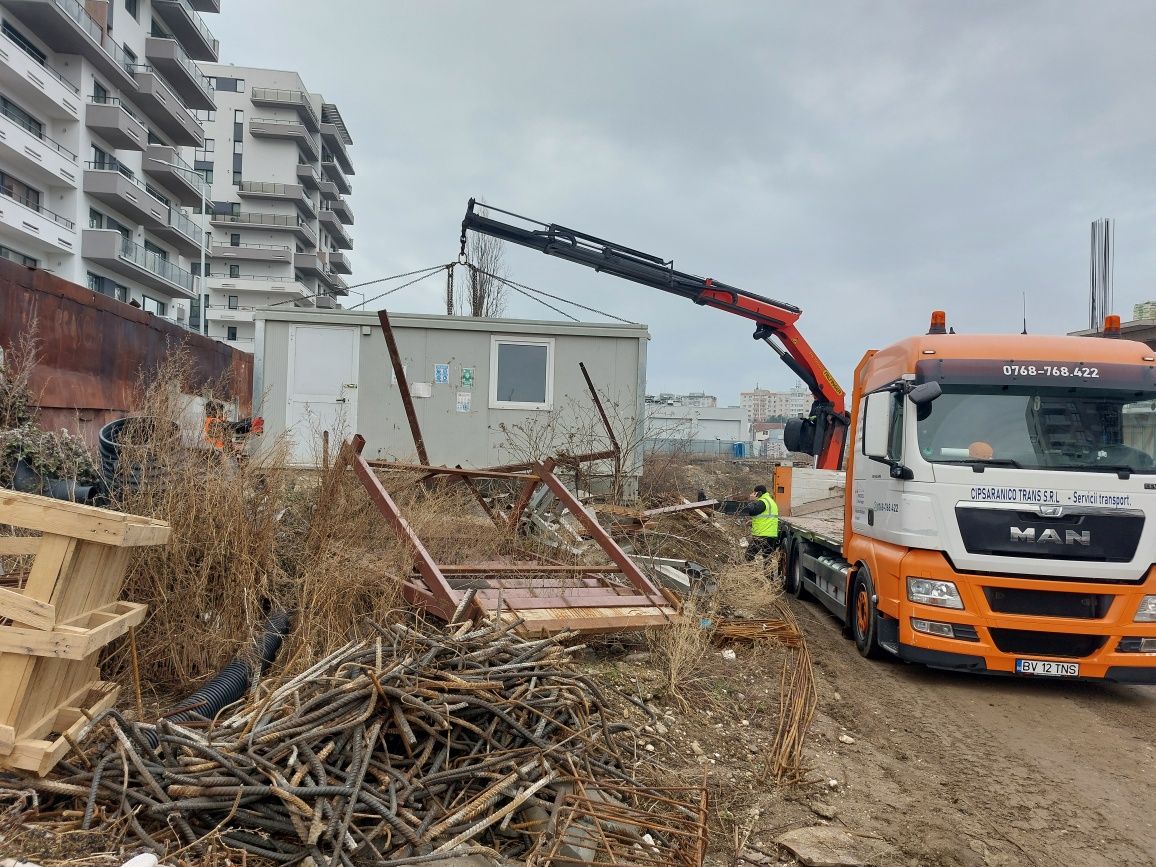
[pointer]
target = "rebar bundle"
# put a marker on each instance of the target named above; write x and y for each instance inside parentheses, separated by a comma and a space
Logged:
(398, 749)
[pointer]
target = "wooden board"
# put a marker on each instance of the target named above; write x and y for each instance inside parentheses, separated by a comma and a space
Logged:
(825, 526)
(62, 518)
(550, 621)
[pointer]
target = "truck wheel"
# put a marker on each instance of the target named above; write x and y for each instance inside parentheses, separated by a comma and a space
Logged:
(864, 615)
(793, 575)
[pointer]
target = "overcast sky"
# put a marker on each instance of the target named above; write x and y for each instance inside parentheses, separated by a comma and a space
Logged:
(866, 161)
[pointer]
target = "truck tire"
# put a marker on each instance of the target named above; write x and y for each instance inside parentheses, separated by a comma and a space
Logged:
(793, 574)
(863, 615)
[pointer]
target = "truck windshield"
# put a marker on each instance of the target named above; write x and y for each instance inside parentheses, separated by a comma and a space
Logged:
(1035, 427)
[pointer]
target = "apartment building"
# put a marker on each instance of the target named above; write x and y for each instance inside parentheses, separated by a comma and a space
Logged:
(762, 404)
(96, 133)
(278, 162)
(695, 398)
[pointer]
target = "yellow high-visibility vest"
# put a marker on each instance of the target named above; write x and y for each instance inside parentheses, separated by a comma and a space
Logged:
(766, 524)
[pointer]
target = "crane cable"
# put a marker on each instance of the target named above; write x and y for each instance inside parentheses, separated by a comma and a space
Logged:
(519, 287)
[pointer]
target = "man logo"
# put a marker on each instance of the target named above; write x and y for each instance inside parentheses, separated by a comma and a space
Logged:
(1070, 537)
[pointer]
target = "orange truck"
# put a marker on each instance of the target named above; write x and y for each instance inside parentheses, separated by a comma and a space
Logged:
(996, 505)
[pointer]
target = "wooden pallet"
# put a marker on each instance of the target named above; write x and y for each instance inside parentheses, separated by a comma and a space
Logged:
(55, 622)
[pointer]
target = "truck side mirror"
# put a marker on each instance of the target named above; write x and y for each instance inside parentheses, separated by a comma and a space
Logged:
(924, 393)
(876, 424)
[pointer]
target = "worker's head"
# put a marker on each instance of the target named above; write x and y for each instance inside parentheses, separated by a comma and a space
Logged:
(758, 491)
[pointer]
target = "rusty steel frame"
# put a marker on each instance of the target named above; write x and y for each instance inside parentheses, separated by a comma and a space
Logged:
(615, 448)
(441, 598)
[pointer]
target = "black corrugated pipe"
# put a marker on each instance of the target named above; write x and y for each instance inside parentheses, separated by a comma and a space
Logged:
(234, 679)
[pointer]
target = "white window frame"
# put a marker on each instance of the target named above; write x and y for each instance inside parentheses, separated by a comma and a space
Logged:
(497, 340)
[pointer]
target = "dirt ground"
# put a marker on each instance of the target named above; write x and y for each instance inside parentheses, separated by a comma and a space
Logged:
(919, 767)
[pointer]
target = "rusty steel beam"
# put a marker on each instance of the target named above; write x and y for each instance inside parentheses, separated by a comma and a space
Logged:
(606, 424)
(490, 513)
(402, 384)
(531, 568)
(443, 599)
(446, 471)
(598, 533)
(518, 602)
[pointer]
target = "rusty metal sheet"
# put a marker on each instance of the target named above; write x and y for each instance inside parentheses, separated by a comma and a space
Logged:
(93, 349)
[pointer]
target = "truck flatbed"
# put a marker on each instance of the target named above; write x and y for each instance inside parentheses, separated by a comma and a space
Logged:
(825, 527)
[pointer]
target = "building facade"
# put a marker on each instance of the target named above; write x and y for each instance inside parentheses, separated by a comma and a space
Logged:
(278, 162)
(762, 404)
(96, 135)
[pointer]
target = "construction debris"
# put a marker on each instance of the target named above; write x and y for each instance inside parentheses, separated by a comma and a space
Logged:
(418, 743)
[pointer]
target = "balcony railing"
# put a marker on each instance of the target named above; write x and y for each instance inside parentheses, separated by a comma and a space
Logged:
(156, 264)
(269, 188)
(280, 120)
(293, 97)
(261, 219)
(112, 164)
(34, 205)
(39, 134)
(200, 25)
(75, 10)
(269, 277)
(188, 63)
(45, 66)
(256, 246)
(176, 164)
(113, 100)
(179, 221)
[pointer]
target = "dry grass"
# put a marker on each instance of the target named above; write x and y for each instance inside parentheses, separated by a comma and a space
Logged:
(254, 534)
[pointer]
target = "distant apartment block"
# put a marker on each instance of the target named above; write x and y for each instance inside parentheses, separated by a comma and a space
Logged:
(1144, 310)
(96, 136)
(278, 161)
(695, 398)
(762, 404)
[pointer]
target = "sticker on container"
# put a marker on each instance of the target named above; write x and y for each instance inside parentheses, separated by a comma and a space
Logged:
(393, 374)
(465, 399)
(467, 377)
(420, 389)
(441, 374)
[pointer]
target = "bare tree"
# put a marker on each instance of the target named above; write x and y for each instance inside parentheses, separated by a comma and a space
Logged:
(484, 295)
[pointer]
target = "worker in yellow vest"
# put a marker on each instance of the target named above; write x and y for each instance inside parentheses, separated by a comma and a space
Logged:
(764, 513)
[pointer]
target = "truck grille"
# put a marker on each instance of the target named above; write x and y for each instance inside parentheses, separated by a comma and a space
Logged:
(1047, 603)
(1105, 537)
(1034, 643)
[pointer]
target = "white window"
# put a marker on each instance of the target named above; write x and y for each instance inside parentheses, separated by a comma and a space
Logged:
(521, 373)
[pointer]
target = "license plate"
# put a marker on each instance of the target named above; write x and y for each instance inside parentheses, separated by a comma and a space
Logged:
(1044, 668)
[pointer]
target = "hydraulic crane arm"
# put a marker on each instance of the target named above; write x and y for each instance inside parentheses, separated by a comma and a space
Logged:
(821, 435)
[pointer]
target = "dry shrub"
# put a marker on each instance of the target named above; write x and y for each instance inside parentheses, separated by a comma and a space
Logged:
(745, 590)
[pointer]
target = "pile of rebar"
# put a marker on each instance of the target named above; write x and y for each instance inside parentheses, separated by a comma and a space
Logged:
(415, 744)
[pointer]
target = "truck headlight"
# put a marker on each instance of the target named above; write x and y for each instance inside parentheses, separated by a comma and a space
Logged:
(925, 591)
(1146, 613)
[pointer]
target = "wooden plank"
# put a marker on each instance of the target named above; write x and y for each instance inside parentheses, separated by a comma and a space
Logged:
(7, 739)
(682, 507)
(590, 620)
(63, 518)
(19, 545)
(42, 726)
(72, 642)
(17, 607)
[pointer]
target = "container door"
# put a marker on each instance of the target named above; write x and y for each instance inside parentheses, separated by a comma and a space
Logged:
(322, 389)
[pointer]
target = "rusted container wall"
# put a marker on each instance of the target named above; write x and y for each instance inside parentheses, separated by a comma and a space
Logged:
(93, 350)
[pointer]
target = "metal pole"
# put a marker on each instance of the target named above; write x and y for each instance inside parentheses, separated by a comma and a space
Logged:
(204, 233)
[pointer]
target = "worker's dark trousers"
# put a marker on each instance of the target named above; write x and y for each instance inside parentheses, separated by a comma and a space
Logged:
(762, 546)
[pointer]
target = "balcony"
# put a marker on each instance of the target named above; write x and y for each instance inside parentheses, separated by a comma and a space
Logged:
(308, 176)
(335, 284)
(181, 232)
(186, 25)
(186, 78)
(339, 262)
(252, 252)
(336, 230)
(163, 107)
(287, 130)
(266, 222)
(219, 313)
(292, 99)
(206, 5)
(329, 190)
(333, 173)
(309, 263)
(109, 248)
(263, 283)
(112, 184)
(32, 223)
(344, 213)
(183, 181)
(65, 26)
(37, 84)
(334, 140)
(277, 192)
(37, 156)
(109, 118)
